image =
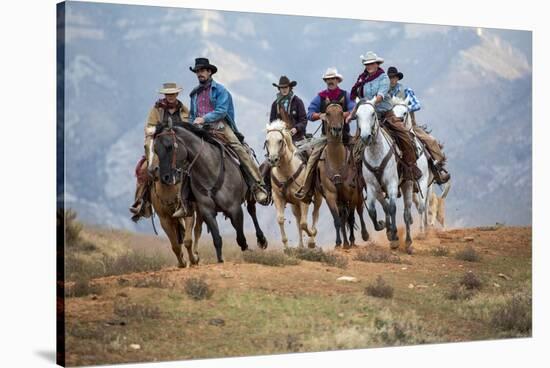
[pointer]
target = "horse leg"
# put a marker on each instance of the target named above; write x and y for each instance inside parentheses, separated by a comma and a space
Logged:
(317, 199)
(197, 231)
(280, 207)
(187, 222)
(351, 222)
(331, 202)
(364, 231)
(170, 228)
(261, 241)
(209, 217)
(298, 218)
(371, 209)
(407, 190)
(343, 211)
(236, 217)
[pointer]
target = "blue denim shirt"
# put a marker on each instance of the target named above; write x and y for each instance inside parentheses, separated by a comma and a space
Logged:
(379, 87)
(223, 106)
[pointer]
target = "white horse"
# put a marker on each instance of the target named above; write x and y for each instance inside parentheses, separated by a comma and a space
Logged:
(380, 171)
(287, 169)
(400, 108)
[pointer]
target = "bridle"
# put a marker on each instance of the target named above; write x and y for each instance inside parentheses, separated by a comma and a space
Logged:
(405, 117)
(375, 129)
(283, 142)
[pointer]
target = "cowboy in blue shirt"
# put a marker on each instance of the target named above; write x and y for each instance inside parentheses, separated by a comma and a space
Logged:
(374, 82)
(212, 107)
(437, 157)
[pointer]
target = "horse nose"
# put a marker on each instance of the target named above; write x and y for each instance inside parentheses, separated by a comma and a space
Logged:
(273, 160)
(166, 178)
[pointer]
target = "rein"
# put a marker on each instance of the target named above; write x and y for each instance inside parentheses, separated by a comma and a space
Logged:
(284, 185)
(173, 134)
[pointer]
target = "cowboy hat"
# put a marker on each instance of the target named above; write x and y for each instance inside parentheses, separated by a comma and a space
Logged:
(284, 82)
(370, 57)
(201, 63)
(392, 72)
(333, 73)
(170, 88)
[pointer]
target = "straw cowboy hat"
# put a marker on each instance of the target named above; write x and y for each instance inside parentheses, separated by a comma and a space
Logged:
(170, 88)
(284, 82)
(370, 57)
(201, 63)
(393, 72)
(333, 73)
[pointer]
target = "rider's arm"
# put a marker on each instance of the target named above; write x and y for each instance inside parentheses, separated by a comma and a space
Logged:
(313, 109)
(273, 114)
(383, 88)
(301, 122)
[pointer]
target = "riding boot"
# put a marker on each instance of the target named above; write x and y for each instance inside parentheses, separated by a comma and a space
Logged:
(184, 209)
(265, 172)
(305, 192)
(441, 175)
(142, 201)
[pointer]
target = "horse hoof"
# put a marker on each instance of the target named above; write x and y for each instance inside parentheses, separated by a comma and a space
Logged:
(410, 249)
(262, 242)
(365, 236)
(394, 244)
(311, 244)
(182, 265)
(220, 260)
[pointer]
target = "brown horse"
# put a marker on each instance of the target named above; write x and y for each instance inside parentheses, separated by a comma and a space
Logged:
(165, 196)
(339, 179)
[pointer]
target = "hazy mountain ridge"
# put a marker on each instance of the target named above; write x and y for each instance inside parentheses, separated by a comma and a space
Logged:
(117, 56)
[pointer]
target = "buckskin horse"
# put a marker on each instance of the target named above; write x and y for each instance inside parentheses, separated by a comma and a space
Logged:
(216, 183)
(339, 180)
(164, 168)
(287, 169)
(380, 171)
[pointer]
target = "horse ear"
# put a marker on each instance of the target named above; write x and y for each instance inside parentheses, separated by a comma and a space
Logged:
(373, 100)
(357, 99)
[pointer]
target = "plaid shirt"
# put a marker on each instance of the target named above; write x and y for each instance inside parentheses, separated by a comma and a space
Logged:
(204, 105)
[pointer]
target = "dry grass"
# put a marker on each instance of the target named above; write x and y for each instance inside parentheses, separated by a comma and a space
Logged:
(269, 258)
(318, 255)
(470, 281)
(82, 287)
(459, 292)
(439, 251)
(198, 289)
(514, 315)
(377, 255)
(136, 310)
(380, 289)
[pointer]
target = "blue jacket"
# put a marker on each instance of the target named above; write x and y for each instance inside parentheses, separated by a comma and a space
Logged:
(379, 87)
(223, 106)
(402, 92)
(315, 105)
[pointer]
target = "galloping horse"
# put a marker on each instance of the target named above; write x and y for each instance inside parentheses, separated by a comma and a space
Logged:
(216, 182)
(339, 179)
(287, 169)
(164, 168)
(381, 174)
(400, 108)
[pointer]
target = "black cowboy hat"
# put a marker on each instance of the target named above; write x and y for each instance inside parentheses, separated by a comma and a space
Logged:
(284, 82)
(392, 71)
(201, 63)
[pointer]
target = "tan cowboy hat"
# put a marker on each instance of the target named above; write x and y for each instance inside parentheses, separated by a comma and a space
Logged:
(170, 88)
(371, 57)
(333, 73)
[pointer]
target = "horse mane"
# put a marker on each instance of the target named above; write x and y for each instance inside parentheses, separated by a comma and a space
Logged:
(199, 132)
(395, 100)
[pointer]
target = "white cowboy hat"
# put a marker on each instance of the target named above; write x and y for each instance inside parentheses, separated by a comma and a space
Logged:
(333, 73)
(370, 57)
(169, 88)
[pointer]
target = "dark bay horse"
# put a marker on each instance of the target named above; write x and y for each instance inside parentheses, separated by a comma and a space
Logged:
(339, 179)
(216, 183)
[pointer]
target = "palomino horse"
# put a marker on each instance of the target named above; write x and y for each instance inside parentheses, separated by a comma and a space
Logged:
(400, 108)
(339, 179)
(380, 172)
(217, 184)
(165, 191)
(287, 169)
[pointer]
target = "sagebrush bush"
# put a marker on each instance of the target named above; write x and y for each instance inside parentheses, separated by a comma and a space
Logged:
(134, 310)
(470, 281)
(197, 289)
(82, 287)
(459, 292)
(468, 254)
(440, 251)
(380, 289)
